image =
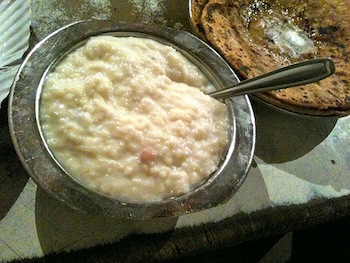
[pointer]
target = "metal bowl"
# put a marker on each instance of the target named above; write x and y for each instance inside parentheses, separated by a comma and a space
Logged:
(35, 156)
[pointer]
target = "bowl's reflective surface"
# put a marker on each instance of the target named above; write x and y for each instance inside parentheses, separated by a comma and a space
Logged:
(38, 161)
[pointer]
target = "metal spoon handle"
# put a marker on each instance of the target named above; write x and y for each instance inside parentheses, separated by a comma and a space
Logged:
(290, 76)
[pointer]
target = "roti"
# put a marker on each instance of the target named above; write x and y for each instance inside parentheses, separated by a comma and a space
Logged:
(256, 37)
(196, 12)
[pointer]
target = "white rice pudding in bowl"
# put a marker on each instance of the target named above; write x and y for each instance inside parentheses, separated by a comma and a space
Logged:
(128, 118)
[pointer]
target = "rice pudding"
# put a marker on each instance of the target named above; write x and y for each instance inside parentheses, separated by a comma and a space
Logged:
(128, 118)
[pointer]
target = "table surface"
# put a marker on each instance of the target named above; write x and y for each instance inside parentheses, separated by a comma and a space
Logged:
(300, 175)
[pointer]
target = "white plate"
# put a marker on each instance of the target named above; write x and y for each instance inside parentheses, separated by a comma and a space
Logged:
(14, 36)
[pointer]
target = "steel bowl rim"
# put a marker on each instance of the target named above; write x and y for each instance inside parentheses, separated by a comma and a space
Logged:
(83, 199)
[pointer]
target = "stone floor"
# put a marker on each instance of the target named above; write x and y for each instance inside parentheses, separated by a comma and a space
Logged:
(329, 242)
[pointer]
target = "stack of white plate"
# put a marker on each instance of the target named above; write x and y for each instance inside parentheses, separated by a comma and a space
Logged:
(14, 36)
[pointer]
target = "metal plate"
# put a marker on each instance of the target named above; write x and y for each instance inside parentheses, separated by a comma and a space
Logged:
(195, 11)
(37, 160)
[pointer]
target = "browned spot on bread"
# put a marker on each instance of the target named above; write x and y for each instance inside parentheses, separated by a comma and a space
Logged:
(196, 12)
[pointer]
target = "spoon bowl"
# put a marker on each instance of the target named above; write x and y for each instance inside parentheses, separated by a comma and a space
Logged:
(297, 74)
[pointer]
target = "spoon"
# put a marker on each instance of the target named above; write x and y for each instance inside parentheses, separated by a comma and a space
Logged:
(297, 74)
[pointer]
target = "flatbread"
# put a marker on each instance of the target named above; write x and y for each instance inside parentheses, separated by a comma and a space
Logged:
(196, 13)
(234, 29)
